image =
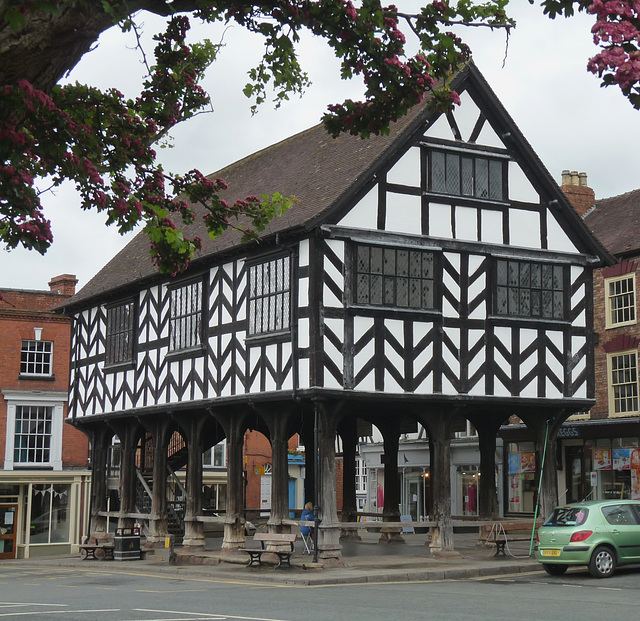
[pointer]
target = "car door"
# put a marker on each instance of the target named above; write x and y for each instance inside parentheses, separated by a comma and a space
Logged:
(624, 527)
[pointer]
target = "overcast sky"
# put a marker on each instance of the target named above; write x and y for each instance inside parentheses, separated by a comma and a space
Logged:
(568, 119)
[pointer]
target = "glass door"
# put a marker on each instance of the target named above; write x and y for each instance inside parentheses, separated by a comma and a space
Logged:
(8, 514)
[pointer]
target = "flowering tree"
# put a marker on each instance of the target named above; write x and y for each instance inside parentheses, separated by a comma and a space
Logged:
(617, 32)
(103, 141)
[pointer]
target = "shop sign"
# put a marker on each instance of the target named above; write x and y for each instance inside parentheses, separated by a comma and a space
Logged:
(622, 459)
(569, 432)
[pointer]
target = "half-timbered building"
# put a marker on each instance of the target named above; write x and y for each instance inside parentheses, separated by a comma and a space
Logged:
(426, 277)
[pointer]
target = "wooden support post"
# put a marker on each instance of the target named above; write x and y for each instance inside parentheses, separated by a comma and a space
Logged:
(234, 537)
(329, 548)
(193, 530)
(348, 431)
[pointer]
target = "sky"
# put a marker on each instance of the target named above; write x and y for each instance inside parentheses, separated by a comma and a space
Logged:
(540, 77)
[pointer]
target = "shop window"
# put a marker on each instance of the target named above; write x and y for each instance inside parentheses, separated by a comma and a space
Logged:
(120, 336)
(36, 358)
(185, 321)
(623, 383)
(522, 470)
(394, 277)
(527, 289)
(270, 296)
(620, 298)
(466, 175)
(50, 519)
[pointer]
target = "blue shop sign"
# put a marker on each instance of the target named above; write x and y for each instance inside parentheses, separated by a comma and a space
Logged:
(569, 432)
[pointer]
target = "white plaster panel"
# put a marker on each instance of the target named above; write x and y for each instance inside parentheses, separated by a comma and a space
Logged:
(557, 239)
(364, 215)
(254, 358)
(477, 288)
(404, 214)
(303, 332)
(303, 373)
(396, 328)
(440, 220)
(491, 225)
(475, 336)
(489, 138)
(303, 253)
(576, 298)
(466, 223)
(303, 292)
(198, 366)
(466, 115)
(287, 382)
(524, 228)
(554, 364)
(271, 352)
(577, 342)
(451, 285)
(406, 171)
(390, 384)
(440, 129)
(520, 188)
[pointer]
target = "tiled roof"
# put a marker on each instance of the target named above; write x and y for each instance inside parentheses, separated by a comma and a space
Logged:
(312, 166)
(616, 223)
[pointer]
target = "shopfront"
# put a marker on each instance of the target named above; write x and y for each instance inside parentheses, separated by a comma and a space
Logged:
(44, 516)
(596, 460)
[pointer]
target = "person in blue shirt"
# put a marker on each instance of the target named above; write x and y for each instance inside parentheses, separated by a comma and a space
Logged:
(307, 516)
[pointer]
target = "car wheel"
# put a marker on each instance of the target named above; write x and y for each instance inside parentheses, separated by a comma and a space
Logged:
(602, 563)
(554, 570)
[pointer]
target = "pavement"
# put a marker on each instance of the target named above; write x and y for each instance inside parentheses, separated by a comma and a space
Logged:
(363, 561)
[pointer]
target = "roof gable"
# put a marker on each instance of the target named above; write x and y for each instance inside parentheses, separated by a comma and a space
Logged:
(332, 178)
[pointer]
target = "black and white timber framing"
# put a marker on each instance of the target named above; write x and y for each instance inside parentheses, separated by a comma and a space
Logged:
(424, 277)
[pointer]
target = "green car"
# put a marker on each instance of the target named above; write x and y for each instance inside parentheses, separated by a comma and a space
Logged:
(599, 534)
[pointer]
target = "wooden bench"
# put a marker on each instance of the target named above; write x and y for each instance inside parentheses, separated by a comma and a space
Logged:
(502, 533)
(267, 542)
(88, 550)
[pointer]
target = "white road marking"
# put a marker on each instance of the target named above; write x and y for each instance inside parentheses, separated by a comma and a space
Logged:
(57, 612)
(207, 615)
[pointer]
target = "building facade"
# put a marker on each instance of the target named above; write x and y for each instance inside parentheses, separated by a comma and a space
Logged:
(430, 277)
(45, 476)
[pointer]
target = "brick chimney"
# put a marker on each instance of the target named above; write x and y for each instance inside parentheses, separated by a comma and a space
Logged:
(575, 188)
(65, 284)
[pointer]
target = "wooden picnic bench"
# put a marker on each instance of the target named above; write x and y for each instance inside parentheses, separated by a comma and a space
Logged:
(88, 550)
(280, 544)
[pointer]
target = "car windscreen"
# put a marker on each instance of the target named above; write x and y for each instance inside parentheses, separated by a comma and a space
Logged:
(567, 516)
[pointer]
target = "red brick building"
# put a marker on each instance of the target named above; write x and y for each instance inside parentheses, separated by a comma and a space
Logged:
(44, 476)
(598, 452)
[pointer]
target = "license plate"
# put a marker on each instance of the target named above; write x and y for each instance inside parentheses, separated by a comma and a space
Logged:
(550, 552)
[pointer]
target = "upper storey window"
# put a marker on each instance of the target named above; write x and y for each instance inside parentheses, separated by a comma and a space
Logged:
(395, 277)
(527, 289)
(465, 174)
(270, 296)
(36, 358)
(185, 321)
(120, 333)
(620, 297)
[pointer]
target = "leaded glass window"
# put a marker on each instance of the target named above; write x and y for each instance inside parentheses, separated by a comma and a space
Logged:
(394, 277)
(270, 296)
(120, 333)
(466, 175)
(526, 289)
(185, 323)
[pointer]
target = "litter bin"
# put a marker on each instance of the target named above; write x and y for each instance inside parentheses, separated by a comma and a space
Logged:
(126, 544)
